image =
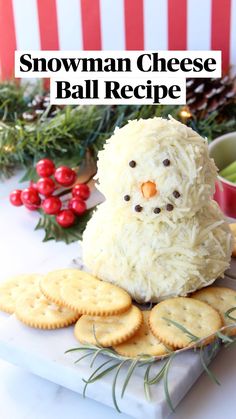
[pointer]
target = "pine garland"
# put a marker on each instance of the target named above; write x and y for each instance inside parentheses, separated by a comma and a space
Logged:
(74, 130)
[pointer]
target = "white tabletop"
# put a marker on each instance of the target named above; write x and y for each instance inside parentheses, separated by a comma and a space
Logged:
(26, 396)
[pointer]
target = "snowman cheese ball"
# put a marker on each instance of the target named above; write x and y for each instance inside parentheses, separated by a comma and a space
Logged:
(159, 233)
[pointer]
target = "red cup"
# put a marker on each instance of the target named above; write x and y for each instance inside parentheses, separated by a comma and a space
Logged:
(223, 151)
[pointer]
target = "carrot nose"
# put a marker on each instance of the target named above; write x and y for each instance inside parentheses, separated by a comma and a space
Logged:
(149, 189)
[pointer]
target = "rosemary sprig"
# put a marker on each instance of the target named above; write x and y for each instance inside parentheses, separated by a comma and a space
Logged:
(228, 314)
(207, 370)
(192, 337)
(130, 371)
(224, 338)
(145, 382)
(116, 362)
(165, 378)
(75, 129)
(122, 363)
(158, 376)
(93, 377)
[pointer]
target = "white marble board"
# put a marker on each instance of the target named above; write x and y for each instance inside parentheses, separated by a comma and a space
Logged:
(42, 352)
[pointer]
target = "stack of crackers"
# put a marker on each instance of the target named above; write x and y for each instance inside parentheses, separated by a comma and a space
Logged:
(105, 316)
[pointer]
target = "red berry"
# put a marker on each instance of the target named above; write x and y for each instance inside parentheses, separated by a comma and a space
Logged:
(65, 218)
(65, 176)
(32, 207)
(33, 185)
(81, 190)
(77, 205)
(15, 198)
(45, 186)
(30, 196)
(51, 205)
(45, 168)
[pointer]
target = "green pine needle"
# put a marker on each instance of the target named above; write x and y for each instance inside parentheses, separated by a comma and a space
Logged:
(74, 130)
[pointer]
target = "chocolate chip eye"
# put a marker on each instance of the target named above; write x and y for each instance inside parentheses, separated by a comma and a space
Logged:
(138, 208)
(127, 198)
(132, 163)
(169, 207)
(157, 210)
(176, 194)
(166, 162)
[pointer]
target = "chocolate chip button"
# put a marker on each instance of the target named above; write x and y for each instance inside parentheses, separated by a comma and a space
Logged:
(127, 198)
(132, 163)
(169, 207)
(138, 208)
(166, 162)
(157, 210)
(176, 194)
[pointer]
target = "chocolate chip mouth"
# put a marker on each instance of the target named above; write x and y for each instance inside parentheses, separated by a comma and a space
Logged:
(169, 207)
(138, 208)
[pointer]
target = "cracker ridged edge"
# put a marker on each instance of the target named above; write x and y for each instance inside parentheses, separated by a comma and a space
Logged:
(52, 299)
(117, 341)
(179, 345)
(6, 310)
(46, 326)
(102, 313)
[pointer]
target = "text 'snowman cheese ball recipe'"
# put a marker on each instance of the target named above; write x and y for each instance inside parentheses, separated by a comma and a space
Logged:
(159, 233)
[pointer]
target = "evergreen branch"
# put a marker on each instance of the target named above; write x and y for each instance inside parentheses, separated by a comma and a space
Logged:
(73, 130)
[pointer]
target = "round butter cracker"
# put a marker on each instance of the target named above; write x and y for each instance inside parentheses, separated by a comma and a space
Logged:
(109, 330)
(14, 287)
(221, 299)
(94, 297)
(36, 311)
(200, 319)
(142, 343)
(50, 284)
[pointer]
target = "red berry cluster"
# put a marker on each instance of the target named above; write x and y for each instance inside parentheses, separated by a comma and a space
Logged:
(40, 194)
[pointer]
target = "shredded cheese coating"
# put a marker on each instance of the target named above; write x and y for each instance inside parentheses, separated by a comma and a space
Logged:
(156, 255)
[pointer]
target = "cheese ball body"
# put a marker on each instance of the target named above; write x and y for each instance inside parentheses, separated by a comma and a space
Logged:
(157, 260)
